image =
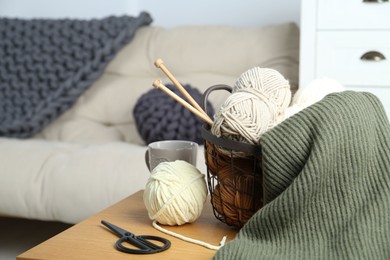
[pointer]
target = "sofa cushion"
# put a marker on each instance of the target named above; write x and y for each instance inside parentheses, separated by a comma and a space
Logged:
(159, 117)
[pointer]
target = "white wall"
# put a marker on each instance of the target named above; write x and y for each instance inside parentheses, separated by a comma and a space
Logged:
(166, 13)
(233, 12)
(66, 8)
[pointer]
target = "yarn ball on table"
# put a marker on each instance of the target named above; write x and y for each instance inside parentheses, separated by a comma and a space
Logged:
(159, 117)
(259, 96)
(175, 193)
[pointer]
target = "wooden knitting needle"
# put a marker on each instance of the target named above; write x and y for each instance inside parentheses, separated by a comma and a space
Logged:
(158, 84)
(160, 64)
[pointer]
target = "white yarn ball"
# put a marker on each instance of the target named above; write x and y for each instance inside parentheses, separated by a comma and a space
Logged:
(316, 90)
(258, 98)
(268, 82)
(175, 193)
(288, 112)
(243, 117)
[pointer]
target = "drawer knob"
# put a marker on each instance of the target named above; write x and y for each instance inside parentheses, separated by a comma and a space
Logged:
(373, 56)
(375, 1)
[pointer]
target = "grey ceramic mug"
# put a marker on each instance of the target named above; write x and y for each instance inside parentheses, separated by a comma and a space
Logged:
(169, 151)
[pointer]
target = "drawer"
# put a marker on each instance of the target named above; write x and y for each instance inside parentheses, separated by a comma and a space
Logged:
(353, 14)
(339, 56)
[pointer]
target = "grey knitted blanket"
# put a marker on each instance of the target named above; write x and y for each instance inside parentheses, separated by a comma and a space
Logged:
(46, 64)
(327, 184)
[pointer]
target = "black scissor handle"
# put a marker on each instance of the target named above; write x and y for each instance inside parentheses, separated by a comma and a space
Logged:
(143, 243)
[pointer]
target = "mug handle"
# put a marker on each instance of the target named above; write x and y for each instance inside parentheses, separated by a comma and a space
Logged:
(147, 159)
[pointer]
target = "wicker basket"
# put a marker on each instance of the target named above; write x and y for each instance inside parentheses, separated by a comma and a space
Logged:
(234, 175)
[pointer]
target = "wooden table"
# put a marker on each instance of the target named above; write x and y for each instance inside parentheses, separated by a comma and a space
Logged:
(91, 240)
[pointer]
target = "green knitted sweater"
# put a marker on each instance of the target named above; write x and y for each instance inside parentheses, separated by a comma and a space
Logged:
(327, 185)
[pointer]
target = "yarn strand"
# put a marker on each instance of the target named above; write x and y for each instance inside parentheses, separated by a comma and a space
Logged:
(188, 239)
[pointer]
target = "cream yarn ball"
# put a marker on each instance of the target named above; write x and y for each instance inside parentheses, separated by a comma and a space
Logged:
(269, 82)
(175, 193)
(316, 90)
(259, 96)
(313, 92)
(243, 117)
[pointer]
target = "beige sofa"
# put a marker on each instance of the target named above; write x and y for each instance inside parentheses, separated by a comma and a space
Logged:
(92, 155)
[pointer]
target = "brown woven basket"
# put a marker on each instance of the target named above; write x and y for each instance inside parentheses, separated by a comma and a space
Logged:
(234, 175)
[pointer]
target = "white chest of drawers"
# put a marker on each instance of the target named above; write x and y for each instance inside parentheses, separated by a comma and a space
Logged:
(348, 40)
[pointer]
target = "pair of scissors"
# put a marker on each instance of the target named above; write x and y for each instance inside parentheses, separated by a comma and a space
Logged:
(141, 244)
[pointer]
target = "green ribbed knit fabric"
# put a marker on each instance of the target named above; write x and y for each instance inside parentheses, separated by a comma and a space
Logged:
(327, 185)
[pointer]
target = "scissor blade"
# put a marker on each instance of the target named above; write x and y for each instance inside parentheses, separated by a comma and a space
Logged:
(119, 231)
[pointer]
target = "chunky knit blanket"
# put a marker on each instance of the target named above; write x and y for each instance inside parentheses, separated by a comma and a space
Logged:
(45, 65)
(327, 184)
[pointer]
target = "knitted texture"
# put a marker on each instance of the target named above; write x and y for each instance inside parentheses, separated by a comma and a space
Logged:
(327, 184)
(158, 117)
(47, 64)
